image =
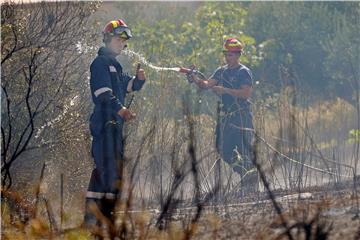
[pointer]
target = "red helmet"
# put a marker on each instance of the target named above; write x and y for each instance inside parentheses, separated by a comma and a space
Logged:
(117, 27)
(232, 45)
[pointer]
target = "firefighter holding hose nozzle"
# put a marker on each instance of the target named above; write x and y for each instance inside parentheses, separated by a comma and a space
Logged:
(235, 130)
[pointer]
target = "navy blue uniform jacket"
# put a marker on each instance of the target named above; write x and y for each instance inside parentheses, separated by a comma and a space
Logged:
(109, 85)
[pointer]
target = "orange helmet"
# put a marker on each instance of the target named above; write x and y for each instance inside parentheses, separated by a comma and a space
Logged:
(232, 45)
(116, 28)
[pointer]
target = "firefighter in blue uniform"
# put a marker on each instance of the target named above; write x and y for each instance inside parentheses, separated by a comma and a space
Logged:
(235, 130)
(109, 85)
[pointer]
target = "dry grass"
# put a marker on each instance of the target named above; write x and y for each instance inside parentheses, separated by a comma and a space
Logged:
(325, 215)
(162, 174)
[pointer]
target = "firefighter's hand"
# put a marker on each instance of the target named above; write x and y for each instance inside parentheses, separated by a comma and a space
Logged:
(190, 77)
(218, 89)
(141, 75)
(126, 114)
(203, 84)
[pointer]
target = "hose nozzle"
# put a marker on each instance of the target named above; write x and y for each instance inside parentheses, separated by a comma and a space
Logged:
(189, 71)
(185, 70)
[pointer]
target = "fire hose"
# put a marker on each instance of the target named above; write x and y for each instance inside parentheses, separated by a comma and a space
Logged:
(187, 71)
(190, 71)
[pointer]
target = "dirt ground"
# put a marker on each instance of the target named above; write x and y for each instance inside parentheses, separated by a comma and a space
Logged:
(327, 212)
(319, 213)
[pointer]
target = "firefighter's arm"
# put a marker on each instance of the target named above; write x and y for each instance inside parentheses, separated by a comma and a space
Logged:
(240, 89)
(244, 92)
(136, 82)
(120, 109)
(202, 83)
(206, 84)
(126, 114)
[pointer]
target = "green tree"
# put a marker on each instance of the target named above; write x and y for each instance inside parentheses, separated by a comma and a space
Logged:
(195, 41)
(342, 63)
(297, 36)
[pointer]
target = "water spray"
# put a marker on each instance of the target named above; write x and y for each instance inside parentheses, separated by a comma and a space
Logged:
(189, 71)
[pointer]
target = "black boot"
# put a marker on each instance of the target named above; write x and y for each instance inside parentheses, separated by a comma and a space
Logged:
(108, 209)
(91, 207)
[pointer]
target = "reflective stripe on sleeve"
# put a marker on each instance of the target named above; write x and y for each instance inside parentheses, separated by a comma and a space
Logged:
(130, 85)
(101, 90)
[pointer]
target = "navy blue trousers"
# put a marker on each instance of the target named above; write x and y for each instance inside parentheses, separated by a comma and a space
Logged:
(234, 140)
(104, 186)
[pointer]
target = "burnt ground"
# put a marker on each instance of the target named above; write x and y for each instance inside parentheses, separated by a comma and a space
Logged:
(330, 211)
(323, 212)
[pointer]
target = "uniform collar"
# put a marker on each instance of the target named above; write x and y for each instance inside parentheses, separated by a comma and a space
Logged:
(107, 52)
(235, 68)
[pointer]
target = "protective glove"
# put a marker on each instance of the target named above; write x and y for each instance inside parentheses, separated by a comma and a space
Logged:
(190, 77)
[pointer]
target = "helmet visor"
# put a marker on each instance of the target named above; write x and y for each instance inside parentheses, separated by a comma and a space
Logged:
(123, 32)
